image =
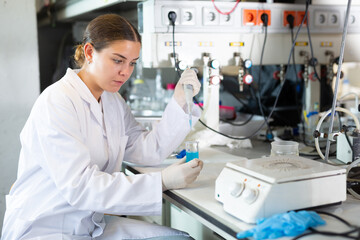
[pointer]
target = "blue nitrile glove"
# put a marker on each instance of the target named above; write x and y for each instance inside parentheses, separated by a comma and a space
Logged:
(181, 154)
(284, 224)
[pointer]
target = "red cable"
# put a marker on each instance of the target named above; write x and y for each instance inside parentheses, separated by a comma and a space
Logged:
(225, 13)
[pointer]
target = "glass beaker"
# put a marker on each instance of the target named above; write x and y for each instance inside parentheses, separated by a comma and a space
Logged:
(284, 148)
(192, 150)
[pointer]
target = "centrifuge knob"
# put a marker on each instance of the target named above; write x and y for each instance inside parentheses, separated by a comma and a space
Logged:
(250, 195)
(236, 189)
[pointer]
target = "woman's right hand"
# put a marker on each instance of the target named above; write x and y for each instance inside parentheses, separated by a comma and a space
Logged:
(187, 77)
(181, 174)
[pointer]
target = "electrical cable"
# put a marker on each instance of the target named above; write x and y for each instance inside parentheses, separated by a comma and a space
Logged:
(290, 18)
(225, 13)
(264, 18)
(337, 79)
(238, 124)
(172, 17)
(356, 229)
(313, 61)
(347, 137)
(232, 94)
(243, 103)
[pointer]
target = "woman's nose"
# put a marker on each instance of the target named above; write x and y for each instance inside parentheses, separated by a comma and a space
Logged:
(126, 71)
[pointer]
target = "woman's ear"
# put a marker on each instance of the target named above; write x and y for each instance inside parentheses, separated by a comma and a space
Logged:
(88, 52)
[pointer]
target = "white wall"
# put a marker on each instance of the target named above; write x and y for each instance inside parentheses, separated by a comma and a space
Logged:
(19, 83)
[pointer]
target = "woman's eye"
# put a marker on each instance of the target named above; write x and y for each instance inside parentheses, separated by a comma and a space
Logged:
(117, 61)
(133, 63)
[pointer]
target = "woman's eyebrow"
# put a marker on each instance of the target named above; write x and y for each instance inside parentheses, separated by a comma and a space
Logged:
(119, 55)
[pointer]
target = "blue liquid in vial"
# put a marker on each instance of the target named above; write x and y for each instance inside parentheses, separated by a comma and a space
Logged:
(191, 155)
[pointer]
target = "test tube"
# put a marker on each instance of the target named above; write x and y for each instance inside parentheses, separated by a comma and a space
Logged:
(192, 150)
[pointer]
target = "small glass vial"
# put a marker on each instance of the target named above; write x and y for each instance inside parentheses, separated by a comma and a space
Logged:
(192, 150)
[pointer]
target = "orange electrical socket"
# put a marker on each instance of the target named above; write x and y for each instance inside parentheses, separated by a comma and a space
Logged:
(299, 17)
(259, 13)
(285, 21)
(249, 17)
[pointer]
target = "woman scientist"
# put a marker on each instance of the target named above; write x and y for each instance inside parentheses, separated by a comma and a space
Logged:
(73, 144)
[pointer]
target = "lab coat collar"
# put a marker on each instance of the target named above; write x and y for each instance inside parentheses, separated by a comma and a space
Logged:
(85, 93)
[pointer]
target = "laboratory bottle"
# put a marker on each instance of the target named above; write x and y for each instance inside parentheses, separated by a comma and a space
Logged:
(139, 98)
(159, 91)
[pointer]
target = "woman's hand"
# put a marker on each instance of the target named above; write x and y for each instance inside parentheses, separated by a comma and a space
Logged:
(181, 174)
(187, 77)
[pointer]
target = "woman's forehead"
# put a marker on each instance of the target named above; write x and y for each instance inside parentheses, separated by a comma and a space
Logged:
(122, 47)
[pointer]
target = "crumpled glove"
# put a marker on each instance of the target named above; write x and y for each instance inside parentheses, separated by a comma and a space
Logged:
(180, 174)
(284, 224)
(187, 77)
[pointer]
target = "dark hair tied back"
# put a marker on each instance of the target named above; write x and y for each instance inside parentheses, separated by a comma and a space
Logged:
(103, 30)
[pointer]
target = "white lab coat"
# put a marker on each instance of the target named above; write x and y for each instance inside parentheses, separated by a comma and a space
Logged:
(69, 167)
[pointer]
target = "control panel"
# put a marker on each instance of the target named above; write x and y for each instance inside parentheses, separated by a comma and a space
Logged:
(202, 16)
(200, 28)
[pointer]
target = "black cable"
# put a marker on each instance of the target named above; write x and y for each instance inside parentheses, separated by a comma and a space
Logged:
(238, 124)
(175, 60)
(337, 217)
(232, 94)
(264, 18)
(330, 234)
(313, 61)
(228, 136)
(223, 134)
(290, 18)
(172, 17)
(346, 136)
(333, 234)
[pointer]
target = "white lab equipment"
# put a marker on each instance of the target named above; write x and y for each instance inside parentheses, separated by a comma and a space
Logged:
(256, 188)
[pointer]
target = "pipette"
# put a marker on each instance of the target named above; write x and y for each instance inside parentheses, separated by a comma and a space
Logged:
(188, 90)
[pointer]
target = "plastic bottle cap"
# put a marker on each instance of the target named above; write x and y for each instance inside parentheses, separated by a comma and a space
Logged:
(170, 86)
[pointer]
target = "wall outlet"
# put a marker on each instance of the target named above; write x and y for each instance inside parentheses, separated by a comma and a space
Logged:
(333, 19)
(210, 16)
(226, 19)
(188, 16)
(321, 19)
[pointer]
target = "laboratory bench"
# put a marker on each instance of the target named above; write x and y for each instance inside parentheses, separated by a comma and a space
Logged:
(196, 207)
